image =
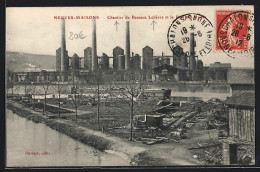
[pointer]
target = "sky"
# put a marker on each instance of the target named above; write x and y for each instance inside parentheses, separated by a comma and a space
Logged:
(34, 30)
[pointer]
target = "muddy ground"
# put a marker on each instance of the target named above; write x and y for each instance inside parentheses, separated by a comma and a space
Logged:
(114, 121)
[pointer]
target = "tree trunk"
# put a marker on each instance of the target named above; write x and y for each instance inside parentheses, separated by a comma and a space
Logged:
(12, 91)
(44, 110)
(98, 106)
(132, 111)
(34, 102)
(59, 105)
(76, 114)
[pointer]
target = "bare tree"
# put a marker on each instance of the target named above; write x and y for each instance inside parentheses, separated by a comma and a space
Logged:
(59, 92)
(74, 92)
(32, 90)
(9, 75)
(129, 87)
(45, 86)
(97, 89)
(58, 88)
(10, 83)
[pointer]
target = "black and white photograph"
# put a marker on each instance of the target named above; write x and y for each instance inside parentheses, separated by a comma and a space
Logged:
(130, 86)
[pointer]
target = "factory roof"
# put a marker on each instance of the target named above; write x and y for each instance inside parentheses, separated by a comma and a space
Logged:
(220, 65)
(241, 76)
(75, 55)
(147, 47)
(162, 57)
(242, 99)
(117, 47)
(165, 66)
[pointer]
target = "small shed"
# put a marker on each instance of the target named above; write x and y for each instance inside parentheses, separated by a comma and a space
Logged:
(241, 80)
(242, 115)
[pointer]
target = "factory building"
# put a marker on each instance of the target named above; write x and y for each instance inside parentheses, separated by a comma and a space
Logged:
(179, 57)
(147, 58)
(184, 62)
(176, 60)
(199, 65)
(121, 62)
(116, 52)
(59, 60)
(177, 52)
(88, 58)
(184, 67)
(155, 62)
(197, 75)
(104, 62)
(136, 62)
(170, 73)
(217, 72)
(52, 76)
(165, 60)
(218, 65)
(75, 63)
(181, 70)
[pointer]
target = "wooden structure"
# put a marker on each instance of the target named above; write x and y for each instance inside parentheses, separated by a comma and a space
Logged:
(229, 152)
(242, 115)
(241, 80)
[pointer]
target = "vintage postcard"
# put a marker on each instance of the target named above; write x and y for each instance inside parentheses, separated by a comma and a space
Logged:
(130, 86)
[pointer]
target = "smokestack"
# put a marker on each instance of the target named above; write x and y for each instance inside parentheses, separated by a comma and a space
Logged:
(192, 53)
(94, 47)
(127, 47)
(63, 46)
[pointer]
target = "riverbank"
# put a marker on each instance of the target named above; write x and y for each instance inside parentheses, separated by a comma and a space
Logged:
(136, 153)
(103, 142)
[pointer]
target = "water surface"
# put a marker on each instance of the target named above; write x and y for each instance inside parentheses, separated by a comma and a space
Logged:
(30, 145)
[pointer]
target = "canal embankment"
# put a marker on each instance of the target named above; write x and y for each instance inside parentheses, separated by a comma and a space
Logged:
(96, 139)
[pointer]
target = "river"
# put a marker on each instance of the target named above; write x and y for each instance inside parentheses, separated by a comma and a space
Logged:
(33, 145)
(202, 92)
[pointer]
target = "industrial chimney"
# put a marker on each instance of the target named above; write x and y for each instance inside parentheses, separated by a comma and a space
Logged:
(63, 47)
(94, 47)
(127, 47)
(192, 53)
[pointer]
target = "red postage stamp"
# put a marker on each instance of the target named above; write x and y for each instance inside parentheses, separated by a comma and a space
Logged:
(233, 30)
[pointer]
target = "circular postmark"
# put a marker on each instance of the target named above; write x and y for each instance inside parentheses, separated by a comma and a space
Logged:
(193, 33)
(235, 34)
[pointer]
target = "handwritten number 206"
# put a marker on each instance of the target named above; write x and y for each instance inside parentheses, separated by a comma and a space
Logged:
(76, 36)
